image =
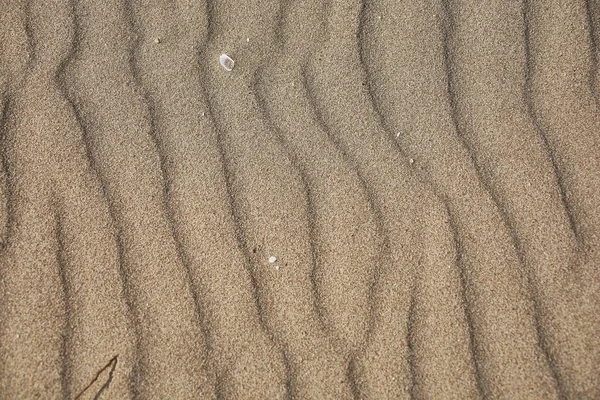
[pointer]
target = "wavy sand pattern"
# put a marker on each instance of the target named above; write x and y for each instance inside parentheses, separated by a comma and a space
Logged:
(427, 174)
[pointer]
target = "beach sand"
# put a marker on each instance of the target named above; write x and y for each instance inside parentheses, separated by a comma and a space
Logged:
(384, 199)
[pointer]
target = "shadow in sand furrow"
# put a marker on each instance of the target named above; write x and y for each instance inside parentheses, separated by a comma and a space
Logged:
(415, 103)
(346, 234)
(4, 194)
(593, 21)
(379, 200)
(246, 363)
(94, 313)
(489, 56)
(170, 351)
(413, 218)
(4, 77)
(99, 323)
(14, 57)
(31, 240)
(33, 310)
(562, 103)
(67, 290)
(271, 201)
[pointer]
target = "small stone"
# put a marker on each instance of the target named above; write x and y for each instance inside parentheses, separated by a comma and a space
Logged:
(157, 40)
(272, 259)
(398, 134)
(277, 267)
(411, 161)
(247, 40)
(226, 62)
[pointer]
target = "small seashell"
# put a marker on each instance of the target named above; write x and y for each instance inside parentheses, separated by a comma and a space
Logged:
(272, 259)
(226, 62)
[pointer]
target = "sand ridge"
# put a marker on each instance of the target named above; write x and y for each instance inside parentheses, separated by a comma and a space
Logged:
(426, 174)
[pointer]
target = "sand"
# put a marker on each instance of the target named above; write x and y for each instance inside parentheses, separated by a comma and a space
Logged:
(381, 200)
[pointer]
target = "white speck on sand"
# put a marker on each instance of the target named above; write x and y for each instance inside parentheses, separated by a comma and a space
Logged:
(272, 259)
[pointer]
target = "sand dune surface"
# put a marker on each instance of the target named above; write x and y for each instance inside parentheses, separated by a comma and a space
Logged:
(381, 200)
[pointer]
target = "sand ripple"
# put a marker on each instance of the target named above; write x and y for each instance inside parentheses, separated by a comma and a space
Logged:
(425, 173)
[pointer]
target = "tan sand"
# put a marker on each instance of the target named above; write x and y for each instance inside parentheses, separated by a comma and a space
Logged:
(425, 173)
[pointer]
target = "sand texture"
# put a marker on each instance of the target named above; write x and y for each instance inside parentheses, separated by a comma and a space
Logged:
(384, 199)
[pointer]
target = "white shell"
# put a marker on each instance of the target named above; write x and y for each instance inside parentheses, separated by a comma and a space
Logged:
(272, 259)
(226, 62)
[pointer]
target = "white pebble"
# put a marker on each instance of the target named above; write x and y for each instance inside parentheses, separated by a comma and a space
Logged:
(157, 40)
(277, 267)
(226, 62)
(411, 161)
(272, 259)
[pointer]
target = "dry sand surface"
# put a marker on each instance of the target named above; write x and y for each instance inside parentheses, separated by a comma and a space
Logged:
(384, 199)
